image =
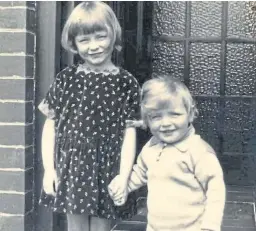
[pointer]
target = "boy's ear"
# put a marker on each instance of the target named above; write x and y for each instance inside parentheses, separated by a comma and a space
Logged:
(191, 115)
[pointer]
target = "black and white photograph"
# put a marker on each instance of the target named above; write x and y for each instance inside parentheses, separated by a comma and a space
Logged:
(127, 115)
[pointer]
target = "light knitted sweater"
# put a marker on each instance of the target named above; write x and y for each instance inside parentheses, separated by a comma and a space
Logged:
(186, 191)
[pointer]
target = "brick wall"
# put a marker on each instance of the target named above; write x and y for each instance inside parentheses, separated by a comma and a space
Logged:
(17, 81)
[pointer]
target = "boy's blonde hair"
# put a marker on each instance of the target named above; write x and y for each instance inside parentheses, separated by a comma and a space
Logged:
(157, 93)
(89, 17)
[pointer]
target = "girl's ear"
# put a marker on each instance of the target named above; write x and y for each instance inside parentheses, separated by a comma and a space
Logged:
(73, 50)
(72, 47)
(118, 47)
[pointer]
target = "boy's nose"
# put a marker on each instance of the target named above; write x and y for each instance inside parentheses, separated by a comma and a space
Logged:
(166, 121)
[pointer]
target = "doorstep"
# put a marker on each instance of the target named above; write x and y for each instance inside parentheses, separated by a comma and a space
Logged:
(239, 212)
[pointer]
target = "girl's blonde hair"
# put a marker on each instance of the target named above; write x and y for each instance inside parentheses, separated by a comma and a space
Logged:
(157, 93)
(89, 17)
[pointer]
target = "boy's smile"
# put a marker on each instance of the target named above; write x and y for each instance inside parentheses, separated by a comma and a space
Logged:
(170, 124)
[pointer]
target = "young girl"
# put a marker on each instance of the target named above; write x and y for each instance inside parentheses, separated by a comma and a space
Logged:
(85, 132)
(186, 190)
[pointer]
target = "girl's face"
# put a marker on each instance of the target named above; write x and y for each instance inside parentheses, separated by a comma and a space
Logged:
(95, 48)
(171, 123)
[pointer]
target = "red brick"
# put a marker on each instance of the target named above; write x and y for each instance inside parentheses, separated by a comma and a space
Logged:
(16, 42)
(16, 203)
(20, 181)
(17, 19)
(17, 65)
(17, 3)
(17, 89)
(16, 158)
(17, 223)
(16, 112)
(16, 135)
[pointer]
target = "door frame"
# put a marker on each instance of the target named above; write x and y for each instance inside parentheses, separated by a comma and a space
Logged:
(47, 65)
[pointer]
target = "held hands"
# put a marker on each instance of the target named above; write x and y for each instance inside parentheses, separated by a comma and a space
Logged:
(118, 190)
(50, 182)
(136, 124)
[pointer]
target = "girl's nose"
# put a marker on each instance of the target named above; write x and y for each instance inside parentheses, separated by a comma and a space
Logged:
(93, 45)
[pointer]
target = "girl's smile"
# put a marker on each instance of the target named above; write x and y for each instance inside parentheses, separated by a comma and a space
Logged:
(95, 48)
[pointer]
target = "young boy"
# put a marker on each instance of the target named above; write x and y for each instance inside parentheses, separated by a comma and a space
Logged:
(186, 190)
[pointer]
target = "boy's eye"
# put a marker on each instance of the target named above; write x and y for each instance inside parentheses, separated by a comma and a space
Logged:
(155, 116)
(176, 114)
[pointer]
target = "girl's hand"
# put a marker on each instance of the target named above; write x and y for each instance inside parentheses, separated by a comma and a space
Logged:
(120, 201)
(118, 190)
(50, 182)
(112, 187)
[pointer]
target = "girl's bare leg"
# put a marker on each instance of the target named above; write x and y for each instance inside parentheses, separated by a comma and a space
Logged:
(101, 224)
(78, 222)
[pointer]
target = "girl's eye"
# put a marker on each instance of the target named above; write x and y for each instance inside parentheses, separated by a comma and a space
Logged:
(101, 36)
(84, 40)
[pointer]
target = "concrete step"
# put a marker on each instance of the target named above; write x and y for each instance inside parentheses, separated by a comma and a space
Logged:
(239, 214)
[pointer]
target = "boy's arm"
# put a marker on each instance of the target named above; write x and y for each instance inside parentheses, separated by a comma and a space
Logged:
(139, 175)
(137, 179)
(209, 173)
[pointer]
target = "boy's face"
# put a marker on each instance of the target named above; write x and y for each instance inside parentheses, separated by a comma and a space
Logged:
(170, 124)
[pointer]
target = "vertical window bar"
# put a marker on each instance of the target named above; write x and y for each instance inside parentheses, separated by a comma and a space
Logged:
(223, 47)
(150, 9)
(187, 43)
(223, 72)
(140, 8)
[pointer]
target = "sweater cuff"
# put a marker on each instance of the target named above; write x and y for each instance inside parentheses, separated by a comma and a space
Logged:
(211, 226)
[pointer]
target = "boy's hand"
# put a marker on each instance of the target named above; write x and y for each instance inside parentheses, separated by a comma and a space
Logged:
(118, 190)
(50, 182)
(136, 124)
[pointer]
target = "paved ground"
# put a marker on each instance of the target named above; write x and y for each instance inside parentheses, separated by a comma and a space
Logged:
(239, 212)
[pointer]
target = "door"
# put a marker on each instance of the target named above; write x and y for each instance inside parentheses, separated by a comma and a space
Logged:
(52, 58)
(211, 46)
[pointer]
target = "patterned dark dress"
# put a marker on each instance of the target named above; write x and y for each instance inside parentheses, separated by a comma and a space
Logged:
(89, 110)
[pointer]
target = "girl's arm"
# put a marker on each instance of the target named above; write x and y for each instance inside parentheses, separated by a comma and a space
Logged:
(118, 188)
(128, 152)
(138, 178)
(48, 139)
(48, 142)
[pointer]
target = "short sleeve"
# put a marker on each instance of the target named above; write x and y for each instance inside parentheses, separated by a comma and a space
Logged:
(50, 105)
(133, 101)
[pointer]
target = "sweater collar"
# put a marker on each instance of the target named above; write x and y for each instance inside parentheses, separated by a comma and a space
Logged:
(181, 145)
